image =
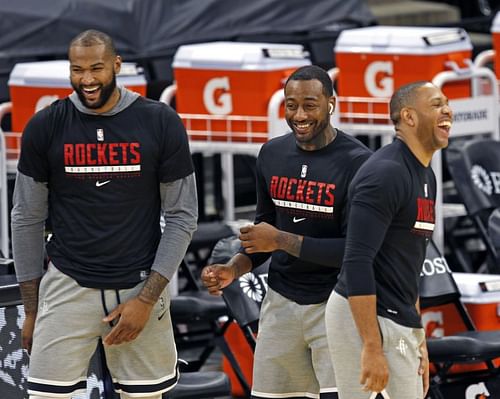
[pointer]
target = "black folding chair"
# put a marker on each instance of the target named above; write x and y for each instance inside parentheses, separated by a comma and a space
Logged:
(474, 166)
(494, 232)
(437, 287)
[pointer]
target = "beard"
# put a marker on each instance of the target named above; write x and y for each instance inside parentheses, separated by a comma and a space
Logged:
(320, 127)
(106, 92)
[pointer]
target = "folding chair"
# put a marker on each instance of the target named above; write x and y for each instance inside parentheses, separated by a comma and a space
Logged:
(494, 232)
(474, 166)
(437, 287)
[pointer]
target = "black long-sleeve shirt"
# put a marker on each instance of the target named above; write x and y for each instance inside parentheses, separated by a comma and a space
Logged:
(391, 218)
(304, 192)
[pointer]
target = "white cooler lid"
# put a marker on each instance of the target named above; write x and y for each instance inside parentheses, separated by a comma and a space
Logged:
(468, 284)
(495, 26)
(56, 74)
(402, 40)
(240, 56)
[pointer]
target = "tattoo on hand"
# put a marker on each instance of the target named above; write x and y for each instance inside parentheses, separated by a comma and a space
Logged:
(29, 293)
(290, 243)
(153, 287)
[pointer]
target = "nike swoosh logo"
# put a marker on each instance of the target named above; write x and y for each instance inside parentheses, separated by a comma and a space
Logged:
(298, 220)
(101, 183)
(161, 316)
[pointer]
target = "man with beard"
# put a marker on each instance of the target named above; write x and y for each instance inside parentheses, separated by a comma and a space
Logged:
(302, 180)
(104, 163)
(381, 345)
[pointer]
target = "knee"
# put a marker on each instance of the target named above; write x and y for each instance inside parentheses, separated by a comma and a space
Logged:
(49, 397)
(155, 396)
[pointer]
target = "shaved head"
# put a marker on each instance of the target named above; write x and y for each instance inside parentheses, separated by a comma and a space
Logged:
(93, 37)
(404, 97)
(310, 72)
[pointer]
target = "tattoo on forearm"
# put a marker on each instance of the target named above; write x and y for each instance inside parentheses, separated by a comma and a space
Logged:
(290, 243)
(154, 286)
(29, 293)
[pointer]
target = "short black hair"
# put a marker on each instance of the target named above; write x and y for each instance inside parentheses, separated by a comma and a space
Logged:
(310, 72)
(94, 37)
(404, 97)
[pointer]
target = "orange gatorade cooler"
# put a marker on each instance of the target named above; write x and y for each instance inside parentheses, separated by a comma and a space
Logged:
(480, 293)
(495, 34)
(481, 297)
(224, 88)
(34, 85)
(375, 61)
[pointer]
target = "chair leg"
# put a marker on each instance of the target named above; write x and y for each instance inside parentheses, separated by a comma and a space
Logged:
(109, 391)
(226, 350)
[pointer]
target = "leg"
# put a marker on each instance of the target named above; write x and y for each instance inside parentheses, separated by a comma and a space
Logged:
(282, 362)
(68, 322)
(315, 333)
(345, 347)
(401, 348)
(147, 366)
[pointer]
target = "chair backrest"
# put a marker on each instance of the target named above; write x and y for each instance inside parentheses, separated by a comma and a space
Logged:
(474, 166)
(437, 285)
(10, 294)
(494, 232)
(244, 296)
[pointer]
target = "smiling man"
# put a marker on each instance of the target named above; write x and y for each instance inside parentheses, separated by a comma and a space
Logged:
(381, 344)
(104, 164)
(302, 181)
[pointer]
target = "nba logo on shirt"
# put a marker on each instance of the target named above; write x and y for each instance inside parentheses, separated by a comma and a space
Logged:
(303, 172)
(100, 135)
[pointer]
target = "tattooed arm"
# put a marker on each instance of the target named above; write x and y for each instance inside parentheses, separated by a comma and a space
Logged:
(154, 286)
(29, 293)
(29, 212)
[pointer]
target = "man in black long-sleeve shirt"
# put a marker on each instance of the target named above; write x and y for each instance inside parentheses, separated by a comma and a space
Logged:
(391, 218)
(302, 180)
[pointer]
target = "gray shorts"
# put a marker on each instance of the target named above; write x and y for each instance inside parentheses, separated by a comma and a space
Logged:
(401, 349)
(291, 356)
(68, 327)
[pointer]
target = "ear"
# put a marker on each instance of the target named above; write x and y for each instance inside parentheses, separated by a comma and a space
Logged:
(332, 101)
(118, 64)
(409, 117)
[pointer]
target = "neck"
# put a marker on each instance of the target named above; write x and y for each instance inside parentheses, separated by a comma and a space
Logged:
(417, 149)
(112, 101)
(320, 141)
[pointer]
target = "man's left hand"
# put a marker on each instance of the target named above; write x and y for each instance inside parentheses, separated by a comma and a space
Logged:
(132, 317)
(423, 368)
(260, 237)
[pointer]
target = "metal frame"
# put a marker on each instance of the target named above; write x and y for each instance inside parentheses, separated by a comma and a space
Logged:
(4, 210)
(246, 141)
(472, 73)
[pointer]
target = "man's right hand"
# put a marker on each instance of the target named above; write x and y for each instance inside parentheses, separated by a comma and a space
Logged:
(27, 332)
(216, 277)
(374, 370)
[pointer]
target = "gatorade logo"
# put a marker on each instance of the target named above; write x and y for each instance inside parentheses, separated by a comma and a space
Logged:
(433, 324)
(477, 391)
(378, 79)
(45, 101)
(217, 97)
